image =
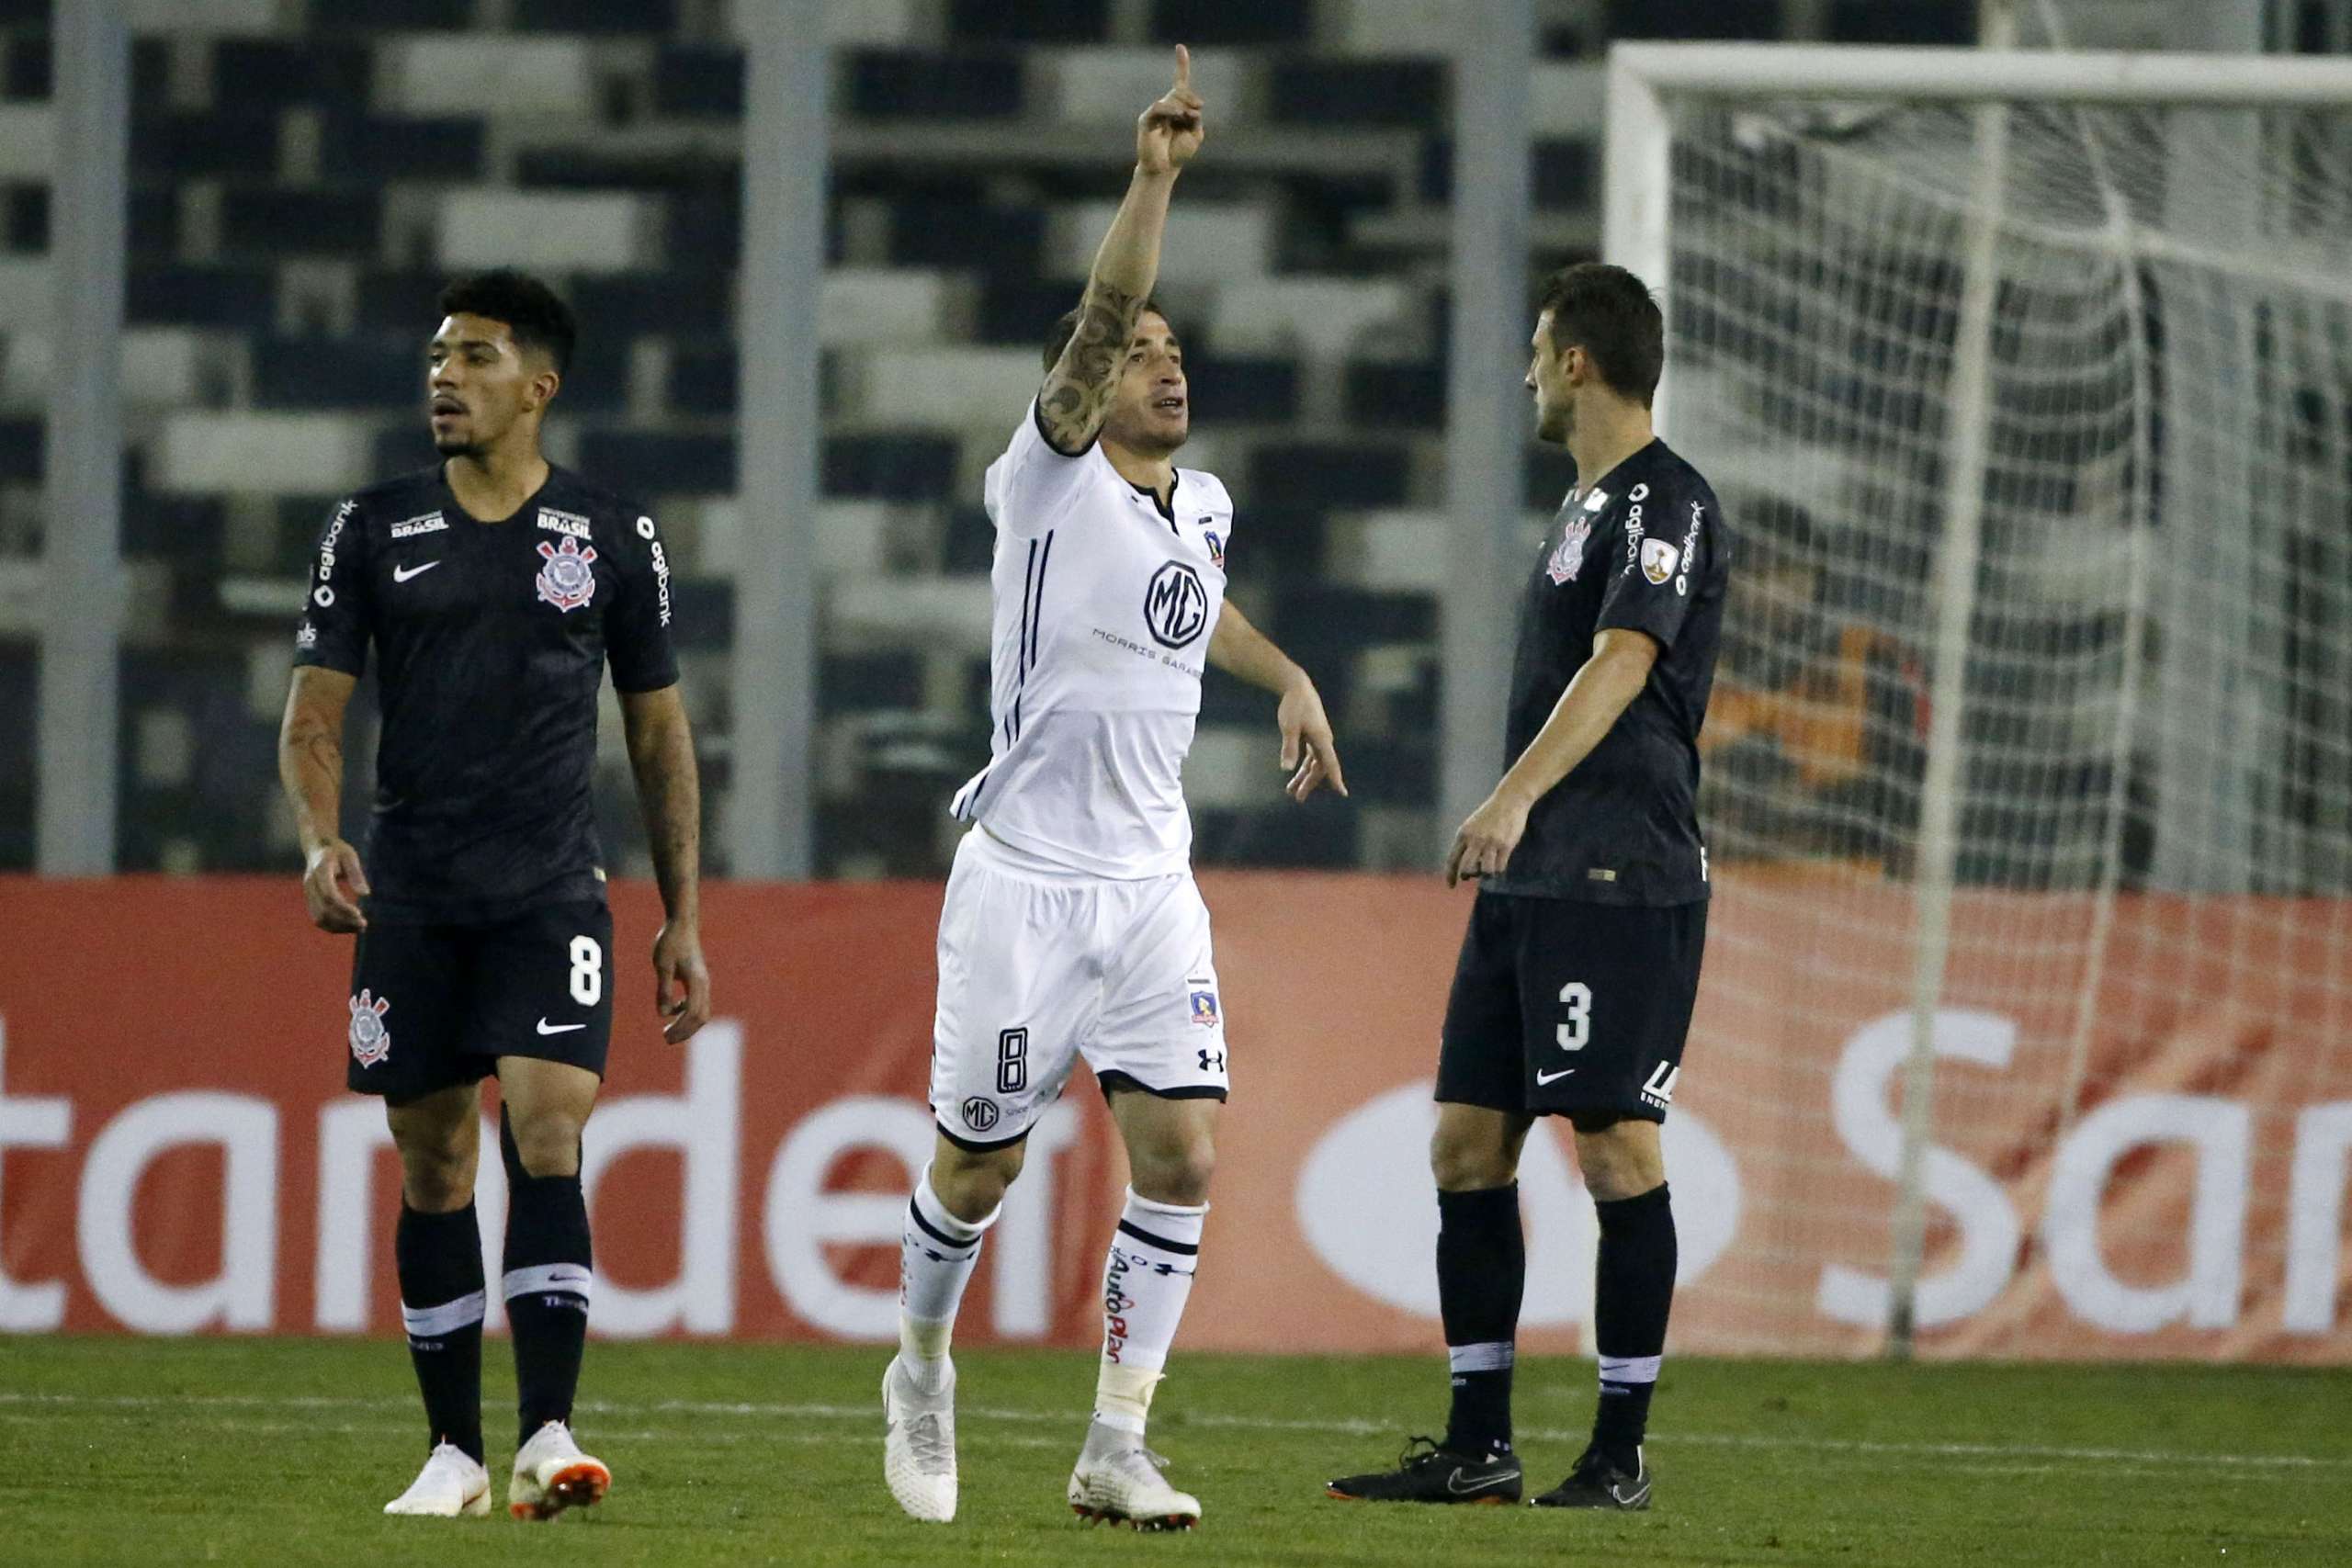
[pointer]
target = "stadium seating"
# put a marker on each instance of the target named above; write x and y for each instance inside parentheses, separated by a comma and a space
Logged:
(300, 196)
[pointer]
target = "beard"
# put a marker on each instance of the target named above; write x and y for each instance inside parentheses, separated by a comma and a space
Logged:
(1558, 424)
(1148, 435)
(457, 447)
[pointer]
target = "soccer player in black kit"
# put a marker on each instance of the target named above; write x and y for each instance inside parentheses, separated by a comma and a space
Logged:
(495, 588)
(1577, 977)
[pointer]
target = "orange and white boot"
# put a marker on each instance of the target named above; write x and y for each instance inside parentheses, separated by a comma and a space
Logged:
(551, 1474)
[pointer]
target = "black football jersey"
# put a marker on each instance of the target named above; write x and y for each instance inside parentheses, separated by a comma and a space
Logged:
(1646, 548)
(491, 642)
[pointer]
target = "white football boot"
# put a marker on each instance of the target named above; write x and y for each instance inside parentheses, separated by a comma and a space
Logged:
(551, 1474)
(451, 1484)
(919, 1444)
(1118, 1479)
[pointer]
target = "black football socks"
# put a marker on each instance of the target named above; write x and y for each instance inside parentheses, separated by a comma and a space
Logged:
(439, 1257)
(545, 1287)
(1632, 1289)
(1481, 1275)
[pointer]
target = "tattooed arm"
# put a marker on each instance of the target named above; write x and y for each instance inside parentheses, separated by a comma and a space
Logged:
(1078, 391)
(309, 769)
(662, 754)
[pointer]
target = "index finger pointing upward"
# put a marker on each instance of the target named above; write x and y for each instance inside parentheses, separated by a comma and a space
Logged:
(1184, 67)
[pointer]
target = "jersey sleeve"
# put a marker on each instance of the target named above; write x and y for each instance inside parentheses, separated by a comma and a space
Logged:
(333, 631)
(1031, 486)
(1216, 500)
(637, 633)
(1652, 589)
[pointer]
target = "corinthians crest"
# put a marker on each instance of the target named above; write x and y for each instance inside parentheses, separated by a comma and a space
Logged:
(1566, 559)
(566, 581)
(370, 1041)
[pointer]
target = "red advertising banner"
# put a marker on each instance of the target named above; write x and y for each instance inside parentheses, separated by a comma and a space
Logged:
(2140, 1140)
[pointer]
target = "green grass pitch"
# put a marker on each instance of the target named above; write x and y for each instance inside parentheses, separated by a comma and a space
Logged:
(265, 1451)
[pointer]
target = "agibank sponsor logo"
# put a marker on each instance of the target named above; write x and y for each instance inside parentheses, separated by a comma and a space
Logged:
(661, 567)
(322, 581)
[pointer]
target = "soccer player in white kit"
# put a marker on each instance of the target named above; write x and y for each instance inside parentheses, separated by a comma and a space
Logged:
(1071, 926)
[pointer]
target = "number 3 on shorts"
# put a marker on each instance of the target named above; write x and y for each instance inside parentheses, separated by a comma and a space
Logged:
(1575, 1030)
(587, 971)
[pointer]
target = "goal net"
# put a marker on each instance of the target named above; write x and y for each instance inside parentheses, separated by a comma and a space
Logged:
(2028, 768)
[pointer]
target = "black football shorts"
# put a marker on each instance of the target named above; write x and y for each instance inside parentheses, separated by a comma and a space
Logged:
(432, 1006)
(1562, 1008)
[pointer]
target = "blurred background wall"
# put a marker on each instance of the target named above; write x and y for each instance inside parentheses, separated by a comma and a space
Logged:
(305, 176)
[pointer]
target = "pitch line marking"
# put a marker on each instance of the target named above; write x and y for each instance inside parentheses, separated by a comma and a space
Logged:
(602, 1434)
(392, 1420)
(781, 1410)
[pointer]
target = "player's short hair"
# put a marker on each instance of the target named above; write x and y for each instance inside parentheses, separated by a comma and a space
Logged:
(537, 316)
(1608, 313)
(1066, 328)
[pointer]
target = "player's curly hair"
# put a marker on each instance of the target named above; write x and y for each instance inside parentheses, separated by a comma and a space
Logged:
(1066, 327)
(1608, 313)
(537, 316)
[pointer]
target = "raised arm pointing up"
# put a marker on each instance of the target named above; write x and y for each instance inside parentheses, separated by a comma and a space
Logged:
(1077, 389)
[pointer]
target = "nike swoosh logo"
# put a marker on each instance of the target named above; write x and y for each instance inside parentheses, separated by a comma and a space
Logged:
(1543, 1078)
(546, 1028)
(1629, 1499)
(401, 574)
(1453, 1483)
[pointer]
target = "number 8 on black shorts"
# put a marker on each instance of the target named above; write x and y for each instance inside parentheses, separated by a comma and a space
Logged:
(434, 1006)
(1560, 1006)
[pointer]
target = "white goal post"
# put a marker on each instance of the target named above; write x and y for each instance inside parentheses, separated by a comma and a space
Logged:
(2032, 369)
(1643, 77)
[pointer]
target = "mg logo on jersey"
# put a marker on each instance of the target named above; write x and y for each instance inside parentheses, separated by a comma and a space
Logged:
(370, 1041)
(566, 582)
(980, 1113)
(1177, 608)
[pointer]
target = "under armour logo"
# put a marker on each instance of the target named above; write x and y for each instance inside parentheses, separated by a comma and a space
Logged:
(1212, 1061)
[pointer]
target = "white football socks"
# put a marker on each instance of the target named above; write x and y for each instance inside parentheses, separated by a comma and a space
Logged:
(937, 1253)
(1146, 1282)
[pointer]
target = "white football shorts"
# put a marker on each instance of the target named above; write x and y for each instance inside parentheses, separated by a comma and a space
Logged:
(1038, 967)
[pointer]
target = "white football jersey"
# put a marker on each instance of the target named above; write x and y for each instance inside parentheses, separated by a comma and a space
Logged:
(1104, 606)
